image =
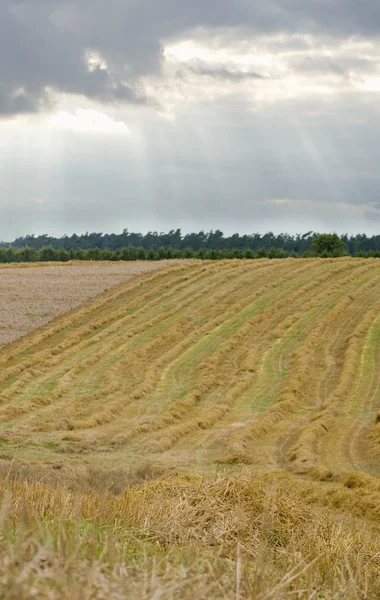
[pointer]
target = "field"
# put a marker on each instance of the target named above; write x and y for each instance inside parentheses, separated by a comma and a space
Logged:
(32, 294)
(207, 430)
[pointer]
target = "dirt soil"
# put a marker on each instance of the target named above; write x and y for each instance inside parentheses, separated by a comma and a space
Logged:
(32, 295)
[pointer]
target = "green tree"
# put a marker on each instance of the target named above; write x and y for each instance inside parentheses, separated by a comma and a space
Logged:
(93, 254)
(328, 244)
(128, 253)
(151, 254)
(140, 253)
(62, 255)
(162, 253)
(200, 254)
(27, 254)
(237, 253)
(48, 254)
(261, 253)
(188, 253)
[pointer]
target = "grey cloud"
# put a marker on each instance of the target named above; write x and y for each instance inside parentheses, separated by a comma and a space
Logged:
(43, 44)
(22, 102)
(372, 215)
(198, 67)
(221, 165)
(319, 64)
(37, 55)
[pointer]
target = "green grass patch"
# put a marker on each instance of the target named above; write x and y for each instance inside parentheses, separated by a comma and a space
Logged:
(8, 383)
(49, 445)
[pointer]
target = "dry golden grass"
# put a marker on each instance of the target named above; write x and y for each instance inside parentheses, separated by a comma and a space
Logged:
(31, 294)
(208, 430)
(244, 536)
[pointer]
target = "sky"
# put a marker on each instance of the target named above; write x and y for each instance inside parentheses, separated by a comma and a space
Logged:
(151, 115)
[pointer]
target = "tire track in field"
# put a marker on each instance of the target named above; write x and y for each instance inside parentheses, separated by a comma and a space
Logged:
(283, 441)
(300, 323)
(208, 416)
(291, 439)
(292, 399)
(348, 439)
(305, 453)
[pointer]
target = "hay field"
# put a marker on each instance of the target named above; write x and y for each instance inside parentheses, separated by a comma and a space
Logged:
(209, 430)
(31, 294)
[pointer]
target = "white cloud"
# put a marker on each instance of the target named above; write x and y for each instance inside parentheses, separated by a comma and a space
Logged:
(266, 68)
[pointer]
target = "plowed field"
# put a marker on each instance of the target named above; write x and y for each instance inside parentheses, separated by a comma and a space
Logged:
(212, 428)
(31, 294)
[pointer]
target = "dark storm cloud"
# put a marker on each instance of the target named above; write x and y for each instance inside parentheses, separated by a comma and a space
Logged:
(36, 54)
(43, 43)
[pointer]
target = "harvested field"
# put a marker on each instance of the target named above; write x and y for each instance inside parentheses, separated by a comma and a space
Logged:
(210, 430)
(31, 294)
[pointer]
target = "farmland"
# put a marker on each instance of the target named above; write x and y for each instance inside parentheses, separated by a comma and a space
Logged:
(207, 429)
(33, 294)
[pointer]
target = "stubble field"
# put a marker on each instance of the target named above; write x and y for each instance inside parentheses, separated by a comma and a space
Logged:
(33, 294)
(207, 430)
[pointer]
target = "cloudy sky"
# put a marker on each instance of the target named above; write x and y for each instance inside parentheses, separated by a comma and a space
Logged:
(157, 114)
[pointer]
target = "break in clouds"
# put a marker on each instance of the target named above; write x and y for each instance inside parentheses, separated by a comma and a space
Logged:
(153, 115)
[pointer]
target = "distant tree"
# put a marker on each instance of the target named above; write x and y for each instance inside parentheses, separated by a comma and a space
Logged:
(328, 244)
(62, 255)
(188, 253)
(90, 246)
(140, 253)
(94, 254)
(127, 253)
(237, 253)
(105, 254)
(27, 254)
(248, 253)
(212, 255)
(261, 253)
(48, 254)
(151, 254)
(281, 253)
(162, 253)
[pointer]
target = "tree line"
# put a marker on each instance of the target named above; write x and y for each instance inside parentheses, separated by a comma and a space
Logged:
(174, 240)
(324, 245)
